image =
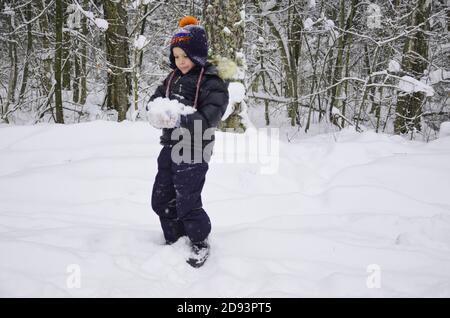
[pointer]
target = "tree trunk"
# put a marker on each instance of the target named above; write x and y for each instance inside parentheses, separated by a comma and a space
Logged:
(227, 45)
(289, 46)
(28, 15)
(58, 62)
(336, 98)
(119, 83)
(83, 66)
(347, 74)
(66, 62)
(415, 57)
(77, 77)
(46, 71)
(141, 53)
(12, 82)
(295, 48)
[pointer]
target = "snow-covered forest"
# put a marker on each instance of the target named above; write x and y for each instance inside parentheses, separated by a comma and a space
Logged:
(379, 65)
(330, 174)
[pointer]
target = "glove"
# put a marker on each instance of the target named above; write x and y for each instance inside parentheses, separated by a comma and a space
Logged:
(166, 113)
(166, 119)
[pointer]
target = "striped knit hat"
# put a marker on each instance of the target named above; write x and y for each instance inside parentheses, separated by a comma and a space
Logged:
(192, 38)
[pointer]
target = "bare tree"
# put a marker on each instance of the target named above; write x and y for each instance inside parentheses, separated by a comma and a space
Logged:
(415, 61)
(119, 83)
(58, 61)
(225, 25)
(306, 62)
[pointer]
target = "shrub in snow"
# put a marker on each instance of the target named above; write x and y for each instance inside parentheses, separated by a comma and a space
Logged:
(227, 68)
(164, 112)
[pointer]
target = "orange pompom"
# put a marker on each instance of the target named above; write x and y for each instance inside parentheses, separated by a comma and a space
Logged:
(188, 20)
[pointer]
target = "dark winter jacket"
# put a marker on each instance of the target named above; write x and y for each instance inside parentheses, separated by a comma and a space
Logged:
(211, 105)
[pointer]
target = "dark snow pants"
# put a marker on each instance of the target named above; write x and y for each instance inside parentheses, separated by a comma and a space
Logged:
(176, 198)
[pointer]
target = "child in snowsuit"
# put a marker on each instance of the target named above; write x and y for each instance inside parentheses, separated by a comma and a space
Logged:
(194, 82)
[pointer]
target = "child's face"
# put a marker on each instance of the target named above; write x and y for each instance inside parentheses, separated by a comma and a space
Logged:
(182, 61)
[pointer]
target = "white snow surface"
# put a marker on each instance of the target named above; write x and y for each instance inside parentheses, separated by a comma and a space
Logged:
(409, 84)
(236, 92)
(394, 66)
(438, 75)
(226, 30)
(444, 130)
(140, 42)
(329, 25)
(308, 23)
(75, 200)
(101, 24)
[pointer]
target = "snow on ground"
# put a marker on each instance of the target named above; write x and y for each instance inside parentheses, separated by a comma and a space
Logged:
(344, 214)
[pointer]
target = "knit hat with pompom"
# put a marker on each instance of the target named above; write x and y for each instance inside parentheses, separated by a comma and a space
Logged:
(192, 38)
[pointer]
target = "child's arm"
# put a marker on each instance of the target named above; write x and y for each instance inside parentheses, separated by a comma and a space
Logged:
(213, 102)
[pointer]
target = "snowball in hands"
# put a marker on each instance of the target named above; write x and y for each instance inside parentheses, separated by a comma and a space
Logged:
(165, 113)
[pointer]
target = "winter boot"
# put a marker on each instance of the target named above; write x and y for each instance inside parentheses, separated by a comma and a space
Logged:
(199, 254)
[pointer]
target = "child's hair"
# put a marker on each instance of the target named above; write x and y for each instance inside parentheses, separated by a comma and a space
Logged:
(192, 38)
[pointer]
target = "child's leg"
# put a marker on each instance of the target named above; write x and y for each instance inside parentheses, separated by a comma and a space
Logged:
(188, 181)
(163, 198)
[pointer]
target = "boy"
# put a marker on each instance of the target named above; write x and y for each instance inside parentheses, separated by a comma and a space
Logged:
(176, 195)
